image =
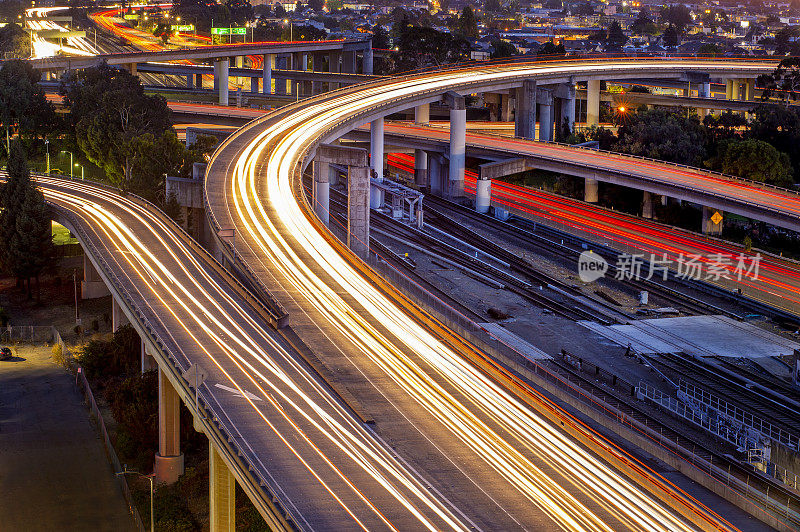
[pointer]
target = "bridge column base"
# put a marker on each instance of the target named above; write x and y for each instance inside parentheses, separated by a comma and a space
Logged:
(483, 195)
(168, 469)
(320, 191)
(358, 203)
(376, 160)
(590, 194)
(593, 102)
(169, 459)
(458, 141)
(221, 493)
(647, 205)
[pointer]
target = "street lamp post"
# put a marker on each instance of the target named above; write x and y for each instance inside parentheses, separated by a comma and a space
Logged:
(47, 156)
(75, 286)
(76, 164)
(126, 471)
(291, 28)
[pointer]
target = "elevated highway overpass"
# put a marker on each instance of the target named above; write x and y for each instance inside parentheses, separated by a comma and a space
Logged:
(254, 184)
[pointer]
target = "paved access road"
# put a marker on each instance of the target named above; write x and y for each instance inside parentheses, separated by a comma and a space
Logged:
(54, 474)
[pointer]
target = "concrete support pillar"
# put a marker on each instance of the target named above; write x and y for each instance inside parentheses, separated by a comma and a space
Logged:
(118, 317)
(254, 85)
(709, 227)
(458, 151)
(505, 108)
(131, 67)
(169, 459)
(238, 62)
(422, 115)
(568, 112)
(320, 191)
(735, 89)
(703, 91)
(525, 110)
(221, 79)
(376, 160)
(189, 81)
(590, 190)
(358, 203)
(349, 62)
(92, 285)
(367, 61)
(280, 84)
(544, 100)
(647, 205)
(435, 173)
(266, 77)
(334, 58)
(483, 195)
(198, 81)
(750, 88)
(593, 102)
(221, 493)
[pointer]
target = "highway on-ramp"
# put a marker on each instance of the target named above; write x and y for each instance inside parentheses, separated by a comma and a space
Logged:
(342, 309)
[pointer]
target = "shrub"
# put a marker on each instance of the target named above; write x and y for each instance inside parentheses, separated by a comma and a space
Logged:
(103, 359)
(134, 405)
(95, 325)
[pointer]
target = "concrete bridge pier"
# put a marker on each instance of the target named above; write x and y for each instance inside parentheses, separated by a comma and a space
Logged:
(593, 102)
(317, 66)
(435, 163)
(703, 91)
(647, 205)
(506, 107)
(221, 79)
(376, 161)
(525, 110)
(334, 58)
(280, 84)
(221, 493)
(320, 191)
(709, 227)
(366, 63)
(544, 101)
(266, 76)
(483, 195)
(118, 317)
(169, 459)
(566, 107)
(92, 285)
(590, 190)
(189, 81)
(458, 144)
(422, 115)
(148, 360)
(349, 62)
(358, 206)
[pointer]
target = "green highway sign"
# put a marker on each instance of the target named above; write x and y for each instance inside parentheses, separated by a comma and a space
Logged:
(182, 27)
(228, 31)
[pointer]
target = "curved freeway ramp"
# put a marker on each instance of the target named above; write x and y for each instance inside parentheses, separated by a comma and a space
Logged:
(295, 447)
(517, 468)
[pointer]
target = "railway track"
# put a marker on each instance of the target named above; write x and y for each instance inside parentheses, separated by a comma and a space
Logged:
(781, 411)
(567, 247)
(689, 447)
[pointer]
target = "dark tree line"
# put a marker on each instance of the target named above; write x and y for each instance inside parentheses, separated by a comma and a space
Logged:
(26, 236)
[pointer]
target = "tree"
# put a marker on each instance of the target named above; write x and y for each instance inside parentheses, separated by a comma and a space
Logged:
(503, 49)
(316, 5)
(779, 126)
(550, 48)
(752, 159)
(15, 43)
(23, 106)
(380, 37)
(643, 24)
(116, 124)
(27, 232)
(584, 9)
(709, 49)
(677, 15)
(785, 40)
(468, 24)
(280, 11)
(662, 134)
(670, 37)
(615, 37)
(421, 47)
(786, 78)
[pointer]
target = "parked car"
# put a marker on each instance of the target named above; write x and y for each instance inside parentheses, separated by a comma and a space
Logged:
(6, 354)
